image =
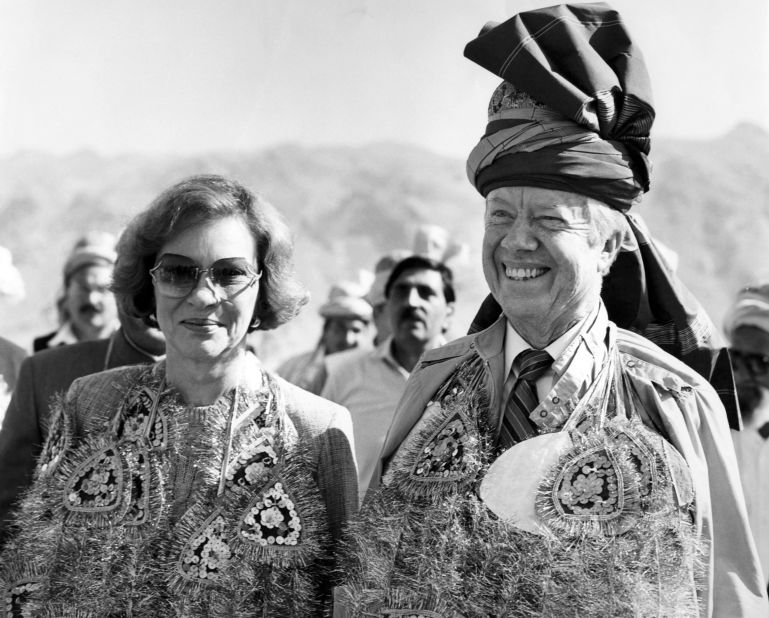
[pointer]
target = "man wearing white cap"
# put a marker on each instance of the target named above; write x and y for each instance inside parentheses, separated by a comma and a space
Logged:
(346, 316)
(86, 308)
(747, 327)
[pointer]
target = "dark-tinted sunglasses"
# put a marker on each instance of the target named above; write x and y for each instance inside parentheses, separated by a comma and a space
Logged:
(754, 363)
(176, 276)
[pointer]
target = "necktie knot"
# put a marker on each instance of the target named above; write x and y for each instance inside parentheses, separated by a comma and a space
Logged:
(527, 368)
(531, 364)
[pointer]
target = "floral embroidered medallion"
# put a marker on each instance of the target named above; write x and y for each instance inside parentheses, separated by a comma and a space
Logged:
(18, 596)
(590, 486)
(253, 461)
(443, 456)
(21, 585)
(96, 485)
(272, 519)
(207, 552)
(445, 450)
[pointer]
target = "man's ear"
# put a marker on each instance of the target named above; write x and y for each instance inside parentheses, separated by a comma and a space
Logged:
(610, 250)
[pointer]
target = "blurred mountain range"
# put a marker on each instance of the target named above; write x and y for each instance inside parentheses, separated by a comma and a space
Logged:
(709, 202)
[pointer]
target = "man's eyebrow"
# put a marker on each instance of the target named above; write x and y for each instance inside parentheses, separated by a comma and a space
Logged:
(496, 200)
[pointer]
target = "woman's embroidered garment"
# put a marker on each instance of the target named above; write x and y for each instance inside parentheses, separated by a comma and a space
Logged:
(171, 510)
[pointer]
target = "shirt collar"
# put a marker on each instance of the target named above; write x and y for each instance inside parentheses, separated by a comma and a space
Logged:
(515, 344)
(384, 351)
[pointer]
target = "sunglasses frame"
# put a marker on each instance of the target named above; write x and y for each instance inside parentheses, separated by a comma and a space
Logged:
(199, 272)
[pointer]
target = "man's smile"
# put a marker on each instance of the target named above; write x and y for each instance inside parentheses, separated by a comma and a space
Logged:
(524, 274)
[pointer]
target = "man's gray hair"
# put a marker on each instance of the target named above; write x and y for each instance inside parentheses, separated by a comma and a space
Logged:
(606, 222)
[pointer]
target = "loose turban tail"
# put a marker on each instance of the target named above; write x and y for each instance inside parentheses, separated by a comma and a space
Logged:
(574, 113)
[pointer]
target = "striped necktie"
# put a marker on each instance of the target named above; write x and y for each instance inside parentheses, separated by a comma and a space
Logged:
(527, 367)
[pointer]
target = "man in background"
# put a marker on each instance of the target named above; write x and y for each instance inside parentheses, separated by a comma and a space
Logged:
(431, 241)
(86, 306)
(48, 372)
(346, 319)
(747, 327)
(420, 301)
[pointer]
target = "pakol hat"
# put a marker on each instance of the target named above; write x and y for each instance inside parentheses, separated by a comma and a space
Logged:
(346, 300)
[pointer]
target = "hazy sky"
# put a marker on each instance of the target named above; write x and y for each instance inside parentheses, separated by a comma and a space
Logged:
(185, 76)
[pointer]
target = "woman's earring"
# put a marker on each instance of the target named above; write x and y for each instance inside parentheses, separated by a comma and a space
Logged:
(255, 323)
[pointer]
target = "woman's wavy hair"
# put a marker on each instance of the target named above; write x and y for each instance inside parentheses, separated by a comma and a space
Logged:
(198, 200)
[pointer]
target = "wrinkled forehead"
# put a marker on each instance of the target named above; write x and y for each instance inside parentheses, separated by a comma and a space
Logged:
(534, 198)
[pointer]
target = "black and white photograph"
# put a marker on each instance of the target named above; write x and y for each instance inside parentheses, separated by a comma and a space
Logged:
(367, 308)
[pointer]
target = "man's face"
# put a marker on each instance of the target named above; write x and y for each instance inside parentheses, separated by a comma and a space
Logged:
(541, 258)
(750, 360)
(418, 309)
(341, 334)
(89, 302)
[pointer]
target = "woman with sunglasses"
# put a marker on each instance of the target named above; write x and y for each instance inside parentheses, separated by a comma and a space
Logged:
(202, 485)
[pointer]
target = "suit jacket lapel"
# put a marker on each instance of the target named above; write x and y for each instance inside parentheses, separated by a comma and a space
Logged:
(490, 344)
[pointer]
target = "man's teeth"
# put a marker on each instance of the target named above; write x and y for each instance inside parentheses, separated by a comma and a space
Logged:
(520, 274)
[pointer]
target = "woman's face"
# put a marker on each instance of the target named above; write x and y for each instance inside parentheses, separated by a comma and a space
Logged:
(209, 323)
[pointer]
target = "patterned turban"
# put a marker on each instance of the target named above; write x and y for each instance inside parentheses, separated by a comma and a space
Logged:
(574, 111)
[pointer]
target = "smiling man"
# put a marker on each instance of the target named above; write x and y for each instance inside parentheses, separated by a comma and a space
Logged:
(420, 301)
(554, 464)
